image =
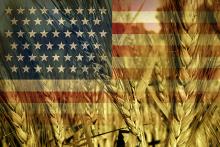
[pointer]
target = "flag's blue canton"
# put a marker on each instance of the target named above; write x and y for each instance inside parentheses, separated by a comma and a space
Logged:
(57, 43)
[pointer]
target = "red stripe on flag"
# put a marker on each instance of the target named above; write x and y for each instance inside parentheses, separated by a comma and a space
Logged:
(137, 74)
(131, 51)
(128, 28)
(143, 51)
(145, 28)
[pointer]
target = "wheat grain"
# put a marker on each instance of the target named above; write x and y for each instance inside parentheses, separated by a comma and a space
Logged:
(159, 78)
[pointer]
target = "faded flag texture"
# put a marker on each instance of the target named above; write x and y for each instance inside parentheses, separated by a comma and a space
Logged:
(109, 73)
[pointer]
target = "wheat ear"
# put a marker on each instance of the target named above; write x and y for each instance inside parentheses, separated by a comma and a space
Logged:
(55, 120)
(17, 116)
(129, 109)
(90, 110)
(185, 84)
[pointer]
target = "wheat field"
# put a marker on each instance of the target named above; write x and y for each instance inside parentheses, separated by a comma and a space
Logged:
(174, 104)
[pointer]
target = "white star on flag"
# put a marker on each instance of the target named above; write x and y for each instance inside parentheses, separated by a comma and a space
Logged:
(61, 45)
(73, 45)
(14, 45)
(67, 33)
(72, 69)
(14, 68)
(20, 33)
(37, 45)
(96, 21)
(26, 45)
(37, 68)
(20, 57)
(67, 57)
(91, 10)
(55, 11)
(85, 68)
(8, 33)
(14, 21)
(32, 10)
(61, 68)
(67, 10)
(79, 57)
(79, 10)
(44, 57)
(37, 21)
(44, 10)
(56, 57)
(43, 33)
(56, 33)
(85, 21)
(49, 68)
(49, 21)
(8, 10)
(73, 21)
(26, 21)
(32, 57)
(20, 10)
(26, 68)
(49, 46)
(8, 57)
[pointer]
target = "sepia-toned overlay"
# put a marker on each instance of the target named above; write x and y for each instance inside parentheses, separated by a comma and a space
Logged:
(109, 73)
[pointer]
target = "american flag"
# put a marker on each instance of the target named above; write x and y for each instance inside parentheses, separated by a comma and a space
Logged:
(55, 46)
(67, 46)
